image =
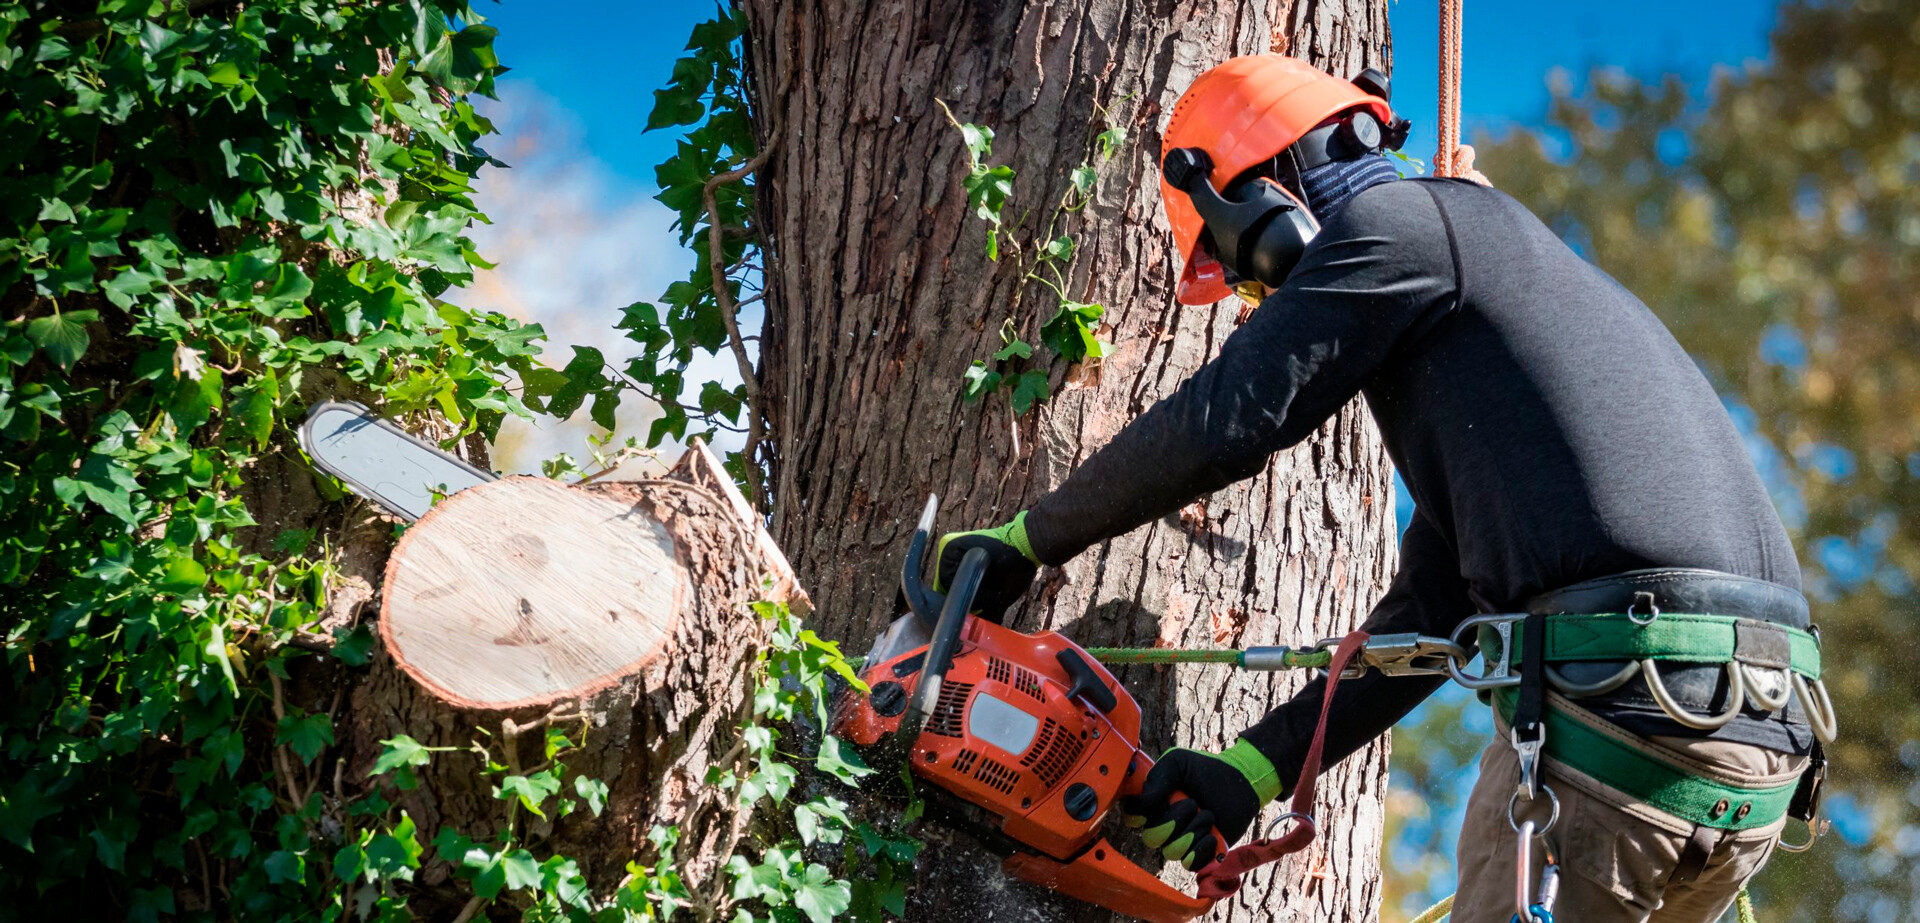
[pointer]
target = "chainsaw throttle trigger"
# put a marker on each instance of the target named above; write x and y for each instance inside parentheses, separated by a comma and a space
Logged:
(1087, 684)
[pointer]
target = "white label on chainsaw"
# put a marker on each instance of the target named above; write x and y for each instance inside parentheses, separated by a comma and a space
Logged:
(1001, 723)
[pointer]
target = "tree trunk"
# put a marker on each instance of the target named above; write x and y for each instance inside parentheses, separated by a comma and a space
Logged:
(880, 295)
(617, 613)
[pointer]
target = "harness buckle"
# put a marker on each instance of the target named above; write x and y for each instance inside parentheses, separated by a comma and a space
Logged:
(1499, 669)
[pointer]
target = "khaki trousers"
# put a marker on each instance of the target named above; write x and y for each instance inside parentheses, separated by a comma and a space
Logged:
(1620, 862)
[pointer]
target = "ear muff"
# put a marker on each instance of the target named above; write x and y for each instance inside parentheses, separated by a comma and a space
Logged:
(1258, 229)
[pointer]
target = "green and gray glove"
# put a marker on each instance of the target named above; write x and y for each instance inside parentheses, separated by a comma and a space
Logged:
(1011, 565)
(1224, 790)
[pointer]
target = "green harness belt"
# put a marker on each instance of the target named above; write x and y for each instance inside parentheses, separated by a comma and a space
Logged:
(1701, 639)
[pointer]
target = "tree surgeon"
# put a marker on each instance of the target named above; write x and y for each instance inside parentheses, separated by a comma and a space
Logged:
(1585, 512)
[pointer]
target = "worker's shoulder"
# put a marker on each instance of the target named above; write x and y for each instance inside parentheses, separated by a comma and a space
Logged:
(1401, 211)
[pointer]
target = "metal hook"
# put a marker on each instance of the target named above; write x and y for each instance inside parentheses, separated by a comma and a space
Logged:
(1757, 683)
(1574, 690)
(1736, 697)
(1816, 827)
(1825, 723)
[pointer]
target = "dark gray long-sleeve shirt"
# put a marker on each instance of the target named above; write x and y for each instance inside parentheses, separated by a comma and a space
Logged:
(1548, 426)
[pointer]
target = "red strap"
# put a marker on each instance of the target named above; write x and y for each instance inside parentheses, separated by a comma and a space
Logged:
(1222, 878)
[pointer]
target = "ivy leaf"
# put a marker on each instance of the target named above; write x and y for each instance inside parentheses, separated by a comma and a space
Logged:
(1082, 178)
(1030, 388)
(394, 855)
(979, 380)
(593, 791)
(521, 870)
(62, 336)
(1015, 348)
(307, 736)
(840, 761)
(531, 790)
(979, 140)
(105, 481)
(1110, 141)
(400, 752)
(283, 866)
(820, 896)
(1059, 248)
(183, 575)
(1071, 331)
(354, 647)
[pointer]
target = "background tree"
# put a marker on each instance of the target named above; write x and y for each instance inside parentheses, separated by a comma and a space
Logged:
(911, 347)
(1773, 229)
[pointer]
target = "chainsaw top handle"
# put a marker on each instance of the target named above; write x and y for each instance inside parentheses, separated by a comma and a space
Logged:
(945, 643)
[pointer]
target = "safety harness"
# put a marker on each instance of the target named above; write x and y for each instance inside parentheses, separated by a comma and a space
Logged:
(1766, 665)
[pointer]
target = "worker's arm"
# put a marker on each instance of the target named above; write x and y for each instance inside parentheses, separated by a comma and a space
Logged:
(1428, 596)
(1379, 275)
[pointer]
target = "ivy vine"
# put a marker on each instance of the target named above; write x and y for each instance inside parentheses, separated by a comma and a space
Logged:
(1072, 331)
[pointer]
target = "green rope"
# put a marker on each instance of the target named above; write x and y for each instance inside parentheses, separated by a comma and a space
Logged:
(1744, 906)
(1298, 660)
(1436, 911)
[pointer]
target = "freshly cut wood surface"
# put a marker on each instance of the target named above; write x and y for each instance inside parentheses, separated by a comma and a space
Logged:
(524, 591)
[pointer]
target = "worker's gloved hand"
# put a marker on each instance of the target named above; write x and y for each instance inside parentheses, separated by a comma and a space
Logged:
(1224, 790)
(1011, 565)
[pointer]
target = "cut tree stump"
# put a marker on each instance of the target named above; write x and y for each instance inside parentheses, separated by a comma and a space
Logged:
(524, 591)
(616, 612)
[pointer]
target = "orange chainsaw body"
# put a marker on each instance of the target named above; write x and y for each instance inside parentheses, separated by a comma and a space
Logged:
(1019, 729)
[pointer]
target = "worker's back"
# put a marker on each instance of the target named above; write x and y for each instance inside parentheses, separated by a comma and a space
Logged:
(1549, 426)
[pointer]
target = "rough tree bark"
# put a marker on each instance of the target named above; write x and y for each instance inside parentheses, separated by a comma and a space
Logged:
(880, 295)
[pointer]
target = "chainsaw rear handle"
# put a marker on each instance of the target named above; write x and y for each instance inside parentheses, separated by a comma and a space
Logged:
(946, 641)
(1136, 781)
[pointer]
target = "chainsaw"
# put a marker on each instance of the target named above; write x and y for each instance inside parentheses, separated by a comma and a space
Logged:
(1030, 729)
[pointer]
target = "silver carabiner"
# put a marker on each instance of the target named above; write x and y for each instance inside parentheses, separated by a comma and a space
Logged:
(1499, 669)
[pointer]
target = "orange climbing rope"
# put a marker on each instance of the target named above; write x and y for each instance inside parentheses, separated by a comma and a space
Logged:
(1447, 159)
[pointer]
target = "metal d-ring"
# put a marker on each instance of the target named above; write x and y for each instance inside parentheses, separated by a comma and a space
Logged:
(1300, 816)
(1736, 697)
(1575, 690)
(1553, 816)
(1815, 828)
(1820, 717)
(1653, 610)
(1759, 698)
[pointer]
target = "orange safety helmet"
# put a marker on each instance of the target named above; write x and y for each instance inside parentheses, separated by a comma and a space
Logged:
(1242, 114)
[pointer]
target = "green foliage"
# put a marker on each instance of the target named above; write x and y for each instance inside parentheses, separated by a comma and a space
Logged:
(708, 95)
(207, 219)
(1772, 228)
(1072, 333)
(827, 863)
